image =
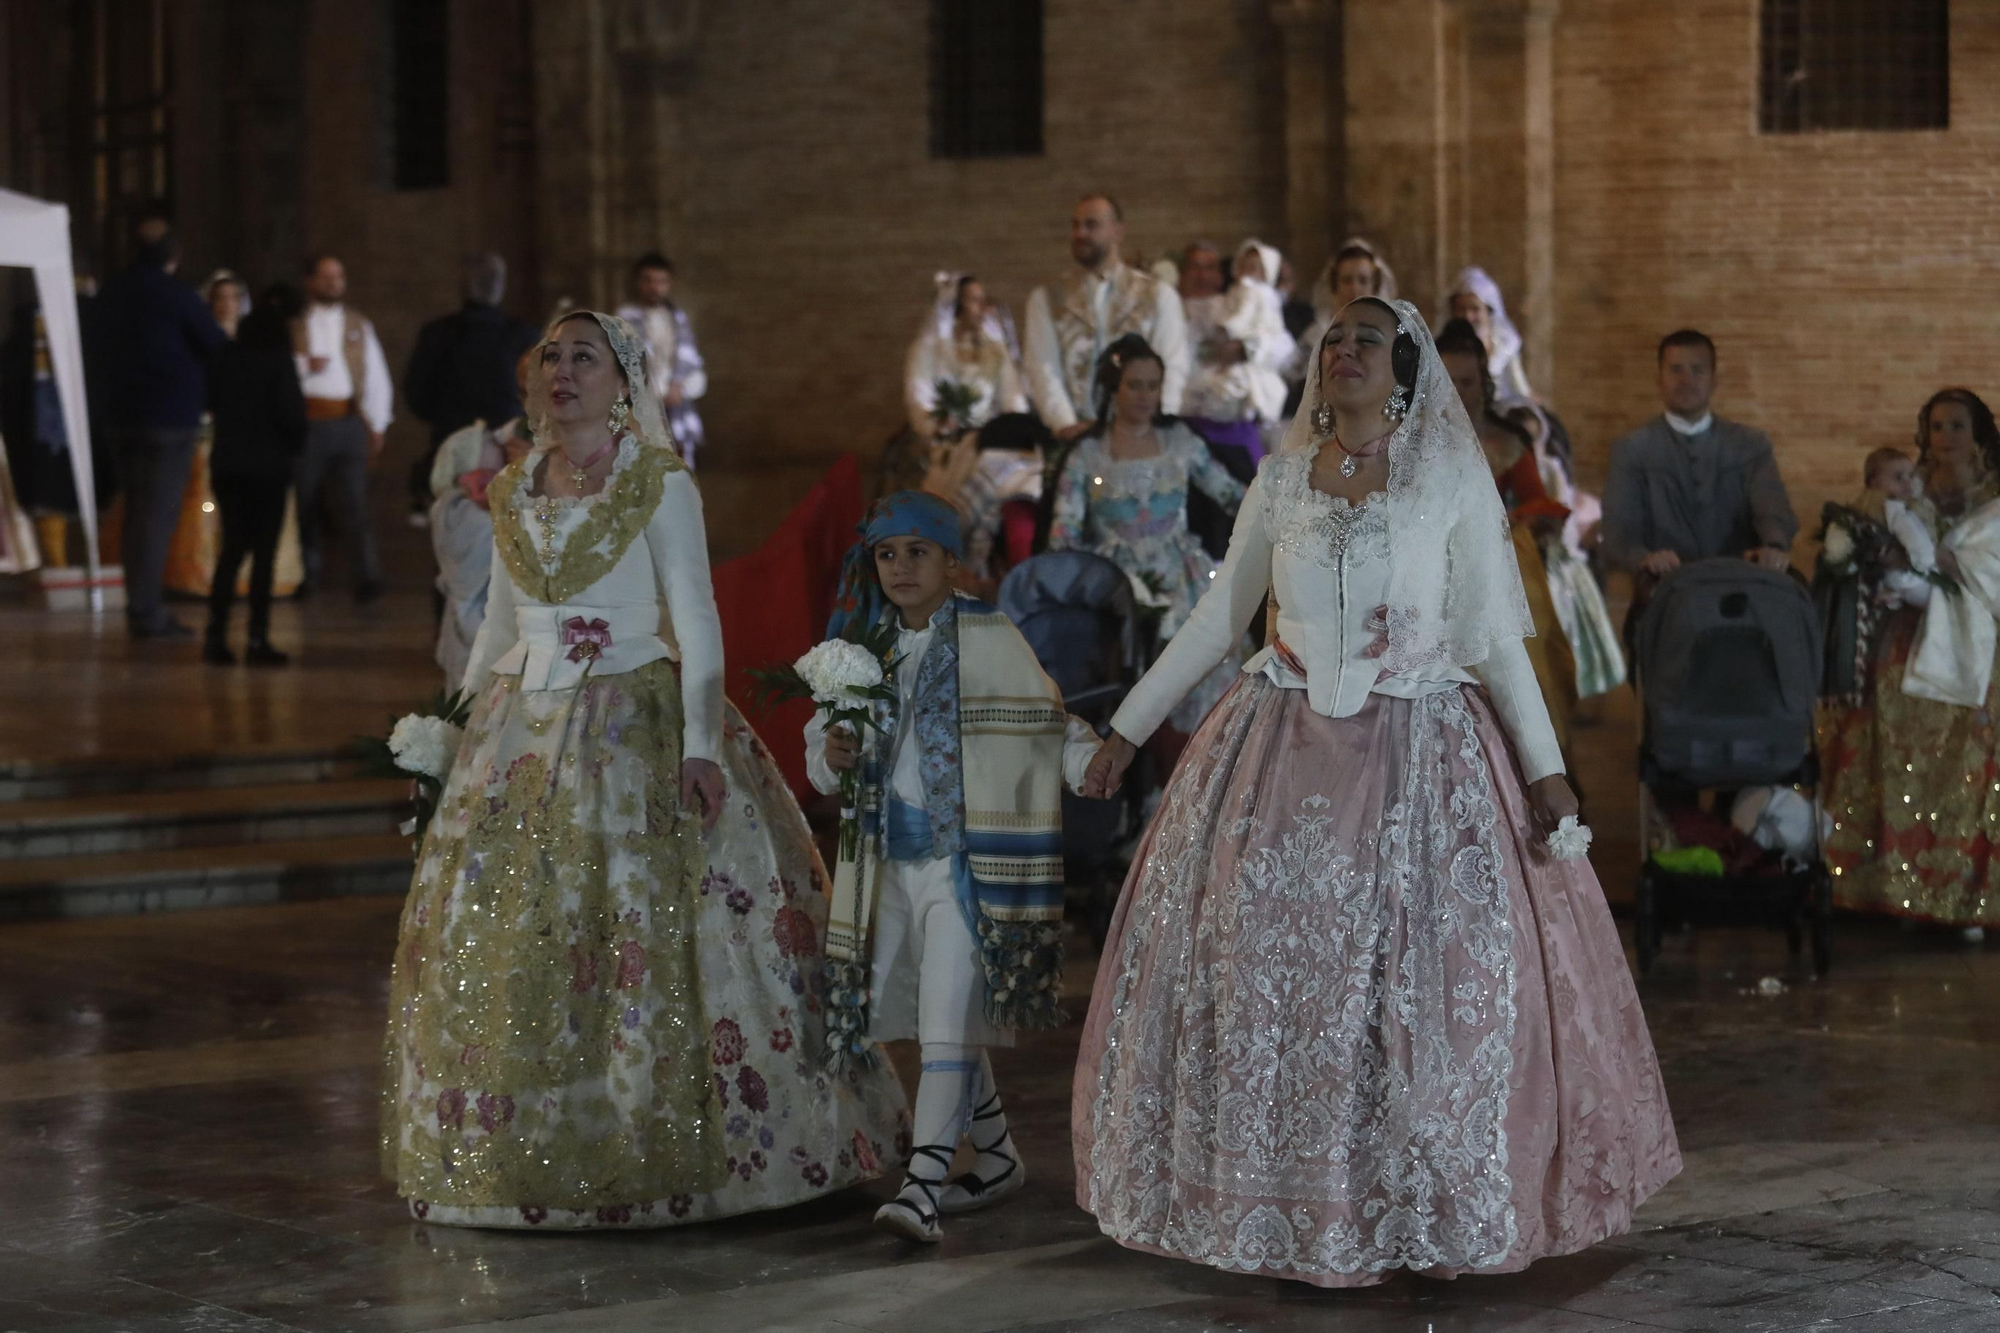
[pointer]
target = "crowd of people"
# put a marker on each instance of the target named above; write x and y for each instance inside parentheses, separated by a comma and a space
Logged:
(623, 995)
(1361, 1008)
(1151, 396)
(247, 428)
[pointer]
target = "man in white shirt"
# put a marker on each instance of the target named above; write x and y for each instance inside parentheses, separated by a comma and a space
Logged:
(1106, 298)
(349, 399)
(675, 371)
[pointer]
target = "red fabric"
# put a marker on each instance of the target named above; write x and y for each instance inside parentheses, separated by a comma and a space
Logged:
(1017, 530)
(774, 603)
(1521, 487)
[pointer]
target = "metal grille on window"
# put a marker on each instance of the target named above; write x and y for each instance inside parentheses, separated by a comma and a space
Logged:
(1854, 65)
(419, 95)
(986, 78)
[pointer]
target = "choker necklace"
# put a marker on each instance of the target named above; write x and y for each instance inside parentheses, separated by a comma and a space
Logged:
(581, 471)
(1348, 466)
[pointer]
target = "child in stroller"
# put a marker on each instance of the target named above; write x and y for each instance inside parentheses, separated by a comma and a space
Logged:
(1728, 661)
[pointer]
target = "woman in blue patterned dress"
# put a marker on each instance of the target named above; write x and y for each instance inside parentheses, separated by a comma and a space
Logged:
(1123, 495)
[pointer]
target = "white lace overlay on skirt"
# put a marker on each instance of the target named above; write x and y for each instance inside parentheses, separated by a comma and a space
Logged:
(1338, 1107)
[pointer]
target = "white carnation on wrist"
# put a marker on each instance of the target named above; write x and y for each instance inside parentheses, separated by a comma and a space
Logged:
(1570, 841)
(839, 672)
(425, 745)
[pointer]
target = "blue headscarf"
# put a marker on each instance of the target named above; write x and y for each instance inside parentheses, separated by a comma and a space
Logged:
(902, 514)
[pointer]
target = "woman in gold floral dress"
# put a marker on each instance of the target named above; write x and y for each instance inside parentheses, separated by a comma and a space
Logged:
(1912, 782)
(605, 1006)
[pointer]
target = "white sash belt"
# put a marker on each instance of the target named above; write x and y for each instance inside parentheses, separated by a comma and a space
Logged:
(559, 645)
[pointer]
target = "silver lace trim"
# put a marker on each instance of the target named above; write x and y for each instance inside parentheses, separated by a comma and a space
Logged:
(1253, 1112)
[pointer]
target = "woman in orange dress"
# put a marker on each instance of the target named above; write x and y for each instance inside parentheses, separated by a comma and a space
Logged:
(1533, 515)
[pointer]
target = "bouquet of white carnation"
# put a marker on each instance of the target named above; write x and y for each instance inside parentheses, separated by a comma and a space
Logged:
(839, 673)
(844, 678)
(425, 745)
(1570, 840)
(421, 747)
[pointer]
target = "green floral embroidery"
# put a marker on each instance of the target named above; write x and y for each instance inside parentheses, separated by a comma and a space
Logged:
(599, 542)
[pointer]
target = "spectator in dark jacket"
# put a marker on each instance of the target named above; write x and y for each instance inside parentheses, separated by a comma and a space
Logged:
(260, 427)
(462, 370)
(157, 334)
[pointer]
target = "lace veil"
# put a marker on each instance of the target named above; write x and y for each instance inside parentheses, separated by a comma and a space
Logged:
(1505, 339)
(1454, 587)
(629, 346)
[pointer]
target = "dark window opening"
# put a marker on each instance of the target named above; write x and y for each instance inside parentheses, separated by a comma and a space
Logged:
(419, 95)
(1854, 65)
(986, 78)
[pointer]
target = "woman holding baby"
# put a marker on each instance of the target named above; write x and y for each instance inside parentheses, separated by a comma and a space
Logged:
(1911, 755)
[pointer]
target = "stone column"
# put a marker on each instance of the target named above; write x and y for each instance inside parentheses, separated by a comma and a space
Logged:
(1398, 182)
(1314, 200)
(1507, 215)
(1450, 148)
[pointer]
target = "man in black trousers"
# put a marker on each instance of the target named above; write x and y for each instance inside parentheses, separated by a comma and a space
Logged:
(156, 335)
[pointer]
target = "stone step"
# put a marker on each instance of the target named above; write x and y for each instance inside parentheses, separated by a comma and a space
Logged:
(156, 821)
(125, 883)
(99, 775)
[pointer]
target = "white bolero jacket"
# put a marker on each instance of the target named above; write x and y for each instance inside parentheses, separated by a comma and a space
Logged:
(1952, 660)
(1327, 563)
(604, 585)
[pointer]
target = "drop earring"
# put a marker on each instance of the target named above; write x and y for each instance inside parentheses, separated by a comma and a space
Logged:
(1322, 419)
(1398, 405)
(621, 412)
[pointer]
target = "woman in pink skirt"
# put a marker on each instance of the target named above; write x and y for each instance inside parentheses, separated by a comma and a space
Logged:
(1353, 1014)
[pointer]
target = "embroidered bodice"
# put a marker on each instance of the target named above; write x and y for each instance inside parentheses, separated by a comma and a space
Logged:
(1326, 560)
(601, 585)
(1324, 530)
(1134, 512)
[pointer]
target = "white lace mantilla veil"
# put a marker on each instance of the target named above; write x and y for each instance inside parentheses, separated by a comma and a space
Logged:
(1454, 587)
(629, 346)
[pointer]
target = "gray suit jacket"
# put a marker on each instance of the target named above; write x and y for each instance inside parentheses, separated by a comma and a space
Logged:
(1717, 493)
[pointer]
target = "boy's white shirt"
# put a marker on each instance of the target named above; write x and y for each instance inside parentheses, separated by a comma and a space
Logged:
(905, 775)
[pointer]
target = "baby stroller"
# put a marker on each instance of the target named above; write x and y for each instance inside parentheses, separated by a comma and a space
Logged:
(1727, 665)
(1075, 610)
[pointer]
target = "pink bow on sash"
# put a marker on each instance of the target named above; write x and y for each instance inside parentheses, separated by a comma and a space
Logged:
(587, 639)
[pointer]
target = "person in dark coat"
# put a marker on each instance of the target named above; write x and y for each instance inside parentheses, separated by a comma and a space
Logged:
(155, 334)
(260, 426)
(462, 369)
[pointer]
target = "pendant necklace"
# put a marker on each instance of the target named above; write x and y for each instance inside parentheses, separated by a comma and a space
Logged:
(581, 471)
(1348, 467)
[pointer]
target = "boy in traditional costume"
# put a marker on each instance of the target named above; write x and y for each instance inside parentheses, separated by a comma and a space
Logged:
(958, 920)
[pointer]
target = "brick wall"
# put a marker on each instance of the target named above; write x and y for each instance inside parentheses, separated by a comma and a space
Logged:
(780, 152)
(815, 216)
(1844, 276)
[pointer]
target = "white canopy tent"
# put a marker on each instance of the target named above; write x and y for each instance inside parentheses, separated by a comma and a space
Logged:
(35, 234)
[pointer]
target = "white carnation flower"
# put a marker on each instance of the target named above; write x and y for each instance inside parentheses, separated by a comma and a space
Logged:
(1839, 545)
(839, 672)
(1570, 841)
(425, 745)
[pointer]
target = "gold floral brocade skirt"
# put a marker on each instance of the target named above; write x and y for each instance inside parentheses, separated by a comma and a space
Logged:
(1913, 786)
(547, 1045)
